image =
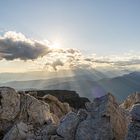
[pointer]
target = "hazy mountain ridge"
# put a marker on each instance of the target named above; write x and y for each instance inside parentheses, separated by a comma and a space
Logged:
(35, 75)
(85, 84)
(122, 86)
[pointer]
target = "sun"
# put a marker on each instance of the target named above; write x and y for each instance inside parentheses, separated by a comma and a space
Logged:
(56, 45)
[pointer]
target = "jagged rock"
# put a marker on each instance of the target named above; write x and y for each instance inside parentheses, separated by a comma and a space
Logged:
(9, 103)
(16, 107)
(35, 111)
(70, 97)
(23, 116)
(105, 121)
(130, 101)
(56, 107)
(102, 120)
(32, 93)
(134, 126)
(68, 125)
(9, 109)
(18, 132)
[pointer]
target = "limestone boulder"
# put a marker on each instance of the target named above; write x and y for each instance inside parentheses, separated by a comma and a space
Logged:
(56, 107)
(130, 101)
(9, 103)
(105, 121)
(34, 110)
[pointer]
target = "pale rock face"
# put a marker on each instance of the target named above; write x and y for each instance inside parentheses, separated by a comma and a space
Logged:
(102, 120)
(9, 104)
(134, 126)
(105, 121)
(23, 107)
(16, 107)
(38, 111)
(56, 107)
(130, 101)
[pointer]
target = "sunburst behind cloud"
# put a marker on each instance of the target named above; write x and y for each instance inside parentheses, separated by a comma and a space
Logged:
(43, 55)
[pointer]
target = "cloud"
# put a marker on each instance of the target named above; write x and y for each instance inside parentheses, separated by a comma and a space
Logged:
(76, 59)
(127, 63)
(16, 46)
(55, 64)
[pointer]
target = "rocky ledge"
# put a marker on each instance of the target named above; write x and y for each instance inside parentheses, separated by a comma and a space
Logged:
(71, 97)
(26, 117)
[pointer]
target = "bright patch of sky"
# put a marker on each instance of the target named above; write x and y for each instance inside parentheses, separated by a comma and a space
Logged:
(108, 28)
(97, 26)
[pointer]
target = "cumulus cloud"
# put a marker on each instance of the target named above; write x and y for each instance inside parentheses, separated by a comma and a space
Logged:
(16, 46)
(67, 60)
(55, 64)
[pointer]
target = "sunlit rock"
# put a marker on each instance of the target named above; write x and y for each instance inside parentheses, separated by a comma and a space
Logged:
(35, 111)
(105, 121)
(9, 103)
(56, 107)
(130, 101)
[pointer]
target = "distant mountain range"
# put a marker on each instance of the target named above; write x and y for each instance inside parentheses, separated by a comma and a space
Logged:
(86, 84)
(122, 86)
(96, 74)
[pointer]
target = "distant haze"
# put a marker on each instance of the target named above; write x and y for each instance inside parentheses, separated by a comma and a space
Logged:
(86, 84)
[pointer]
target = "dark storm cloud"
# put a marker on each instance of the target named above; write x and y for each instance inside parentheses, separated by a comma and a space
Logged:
(17, 46)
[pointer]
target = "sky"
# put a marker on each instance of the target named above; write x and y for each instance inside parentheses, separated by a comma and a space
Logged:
(101, 27)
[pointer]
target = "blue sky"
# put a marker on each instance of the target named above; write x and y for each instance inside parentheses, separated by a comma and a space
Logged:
(93, 26)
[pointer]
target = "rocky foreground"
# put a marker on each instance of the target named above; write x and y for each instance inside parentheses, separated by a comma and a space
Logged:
(25, 116)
